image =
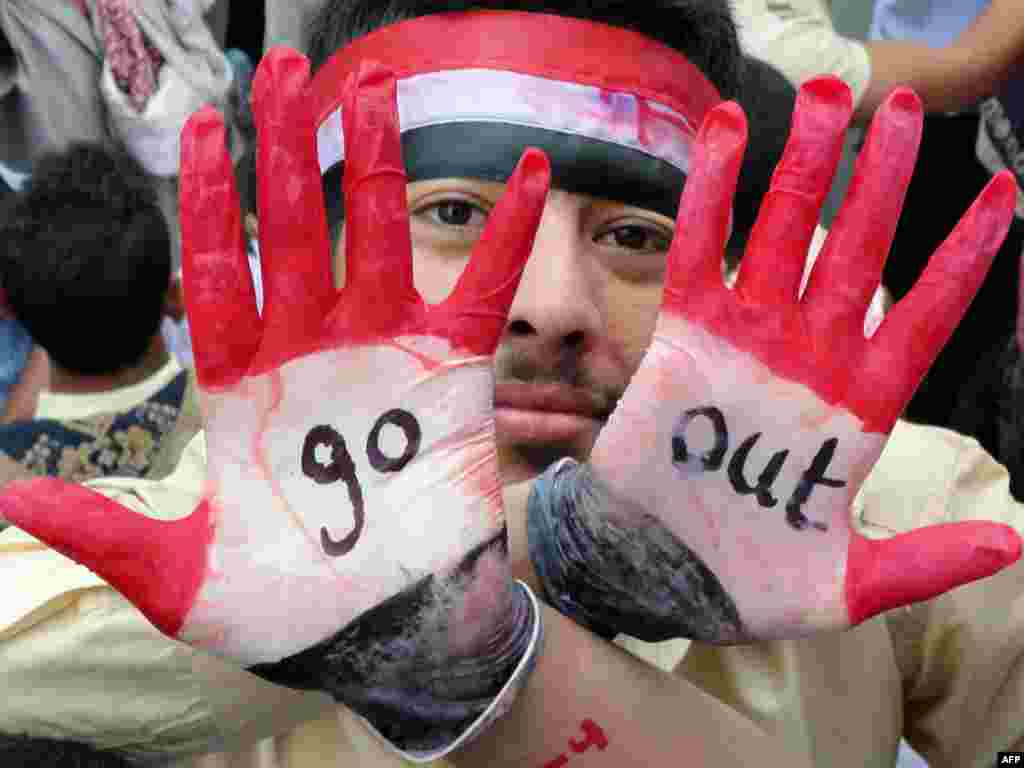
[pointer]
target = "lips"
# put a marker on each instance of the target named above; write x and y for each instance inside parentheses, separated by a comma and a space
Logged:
(550, 398)
(544, 412)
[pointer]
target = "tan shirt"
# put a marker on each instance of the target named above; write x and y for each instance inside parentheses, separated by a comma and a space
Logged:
(944, 673)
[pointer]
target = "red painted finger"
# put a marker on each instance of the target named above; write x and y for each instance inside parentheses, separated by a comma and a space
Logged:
(888, 573)
(475, 313)
(219, 296)
(693, 276)
(159, 565)
(849, 269)
(1020, 304)
(914, 331)
(294, 245)
(379, 299)
(774, 260)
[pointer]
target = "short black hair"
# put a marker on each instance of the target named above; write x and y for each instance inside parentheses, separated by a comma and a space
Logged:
(768, 99)
(702, 30)
(26, 752)
(85, 258)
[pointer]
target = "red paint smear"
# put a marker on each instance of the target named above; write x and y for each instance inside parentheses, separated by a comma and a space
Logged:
(888, 573)
(259, 458)
(159, 565)
(594, 737)
(428, 363)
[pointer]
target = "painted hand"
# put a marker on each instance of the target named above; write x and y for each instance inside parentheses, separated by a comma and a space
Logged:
(351, 536)
(757, 413)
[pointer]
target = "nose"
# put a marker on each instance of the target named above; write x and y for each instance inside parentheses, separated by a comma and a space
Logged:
(555, 309)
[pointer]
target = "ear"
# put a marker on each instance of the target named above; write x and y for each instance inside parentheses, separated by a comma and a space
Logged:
(174, 300)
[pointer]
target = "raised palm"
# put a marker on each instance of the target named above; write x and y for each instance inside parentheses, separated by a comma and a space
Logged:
(757, 412)
(352, 510)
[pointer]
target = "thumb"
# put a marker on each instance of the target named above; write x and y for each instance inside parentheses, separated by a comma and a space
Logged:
(915, 566)
(158, 565)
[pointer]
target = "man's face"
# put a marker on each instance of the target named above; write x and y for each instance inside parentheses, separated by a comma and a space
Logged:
(581, 320)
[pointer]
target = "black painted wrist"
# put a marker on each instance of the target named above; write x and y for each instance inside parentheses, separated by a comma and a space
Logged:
(391, 665)
(637, 579)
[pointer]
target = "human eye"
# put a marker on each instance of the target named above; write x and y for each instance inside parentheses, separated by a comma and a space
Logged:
(635, 235)
(452, 212)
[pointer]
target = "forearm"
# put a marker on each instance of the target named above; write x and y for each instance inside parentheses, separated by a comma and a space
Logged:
(637, 707)
(932, 73)
(953, 77)
(991, 49)
(515, 498)
(588, 703)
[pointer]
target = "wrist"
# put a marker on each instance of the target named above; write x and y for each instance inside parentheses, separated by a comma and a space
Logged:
(395, 666)
(487, 687)
(623, 573)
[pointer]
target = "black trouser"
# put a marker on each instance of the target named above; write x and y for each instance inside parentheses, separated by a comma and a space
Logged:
(946, 180)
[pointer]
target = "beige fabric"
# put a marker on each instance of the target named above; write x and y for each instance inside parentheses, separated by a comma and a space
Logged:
(797, 37)
(59, 622)
(63, 407)
(945, 673)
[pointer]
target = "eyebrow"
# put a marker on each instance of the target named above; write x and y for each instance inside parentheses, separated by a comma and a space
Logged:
(490, 151)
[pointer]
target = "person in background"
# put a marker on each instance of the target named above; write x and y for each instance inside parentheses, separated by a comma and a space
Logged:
(112, 72)
(954, 54)
(86, 257)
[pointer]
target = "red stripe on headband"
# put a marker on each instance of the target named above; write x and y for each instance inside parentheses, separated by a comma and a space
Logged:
(543, 45)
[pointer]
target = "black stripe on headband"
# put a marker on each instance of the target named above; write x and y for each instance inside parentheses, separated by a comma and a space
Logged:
(489, 151)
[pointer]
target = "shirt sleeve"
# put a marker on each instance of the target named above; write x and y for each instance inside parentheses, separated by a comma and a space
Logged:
(79, 662)
(797, 38)
(961, 655)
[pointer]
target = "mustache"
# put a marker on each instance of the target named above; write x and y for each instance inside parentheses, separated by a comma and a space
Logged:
(512, 366)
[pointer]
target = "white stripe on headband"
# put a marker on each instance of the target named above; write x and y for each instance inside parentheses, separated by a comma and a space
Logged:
(499, 96)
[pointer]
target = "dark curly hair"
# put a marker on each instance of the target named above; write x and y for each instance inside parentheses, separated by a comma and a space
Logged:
(85, 258)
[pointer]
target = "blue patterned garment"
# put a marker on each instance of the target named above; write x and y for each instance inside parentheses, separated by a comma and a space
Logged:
(122, 444)
(15, 347)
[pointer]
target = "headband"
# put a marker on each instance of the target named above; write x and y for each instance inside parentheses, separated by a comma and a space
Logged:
(615, 111)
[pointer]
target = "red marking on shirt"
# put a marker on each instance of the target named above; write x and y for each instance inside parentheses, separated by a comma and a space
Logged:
(594, 737)
(558, 762)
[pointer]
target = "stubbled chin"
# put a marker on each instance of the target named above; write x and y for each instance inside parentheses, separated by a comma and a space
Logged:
(525, 461)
